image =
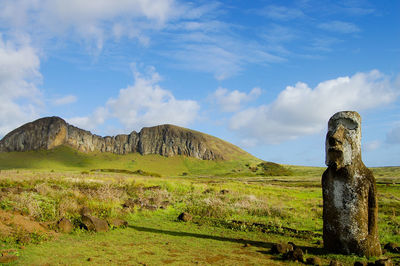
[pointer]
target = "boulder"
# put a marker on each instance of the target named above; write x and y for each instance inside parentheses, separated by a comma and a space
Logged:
(281, 248)
(185, 217)
(94, 224)
(295, 255)
(118, 223)
(65, 225)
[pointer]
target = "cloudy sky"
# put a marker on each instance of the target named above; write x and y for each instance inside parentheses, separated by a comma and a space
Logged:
(264, 75)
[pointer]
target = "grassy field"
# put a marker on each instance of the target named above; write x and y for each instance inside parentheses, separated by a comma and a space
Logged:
(236, 218)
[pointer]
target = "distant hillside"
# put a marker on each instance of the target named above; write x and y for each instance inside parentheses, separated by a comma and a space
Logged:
(166, 140)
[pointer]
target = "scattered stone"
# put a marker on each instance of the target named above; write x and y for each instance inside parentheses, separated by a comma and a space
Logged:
(118, 223)
(94, 224)
(384, 262)
(90, 259)
(224, 191)
(281, 248)
(392, 247)
(8, 258)
(65, 225)
(350, 208)
(185, 217)
(335, 263)
(360, 263)
(246, 245)
(314, 261)
(295, 255)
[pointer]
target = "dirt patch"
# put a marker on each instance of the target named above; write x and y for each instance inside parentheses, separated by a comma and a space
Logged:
(11, 222)
(214, 259)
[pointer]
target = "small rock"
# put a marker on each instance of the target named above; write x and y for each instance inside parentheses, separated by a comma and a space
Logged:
(8, 258)
(90, 259)
(384, 262)
(65, 225)
(360, 263)
(281, 248)
(224, 191)
(335, 263)
(94, 224)
(295, 255)
(118, 223)
(185, 217)
(246, 245)
(314, 261)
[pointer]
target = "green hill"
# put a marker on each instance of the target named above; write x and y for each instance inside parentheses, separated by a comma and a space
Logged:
(64, 158)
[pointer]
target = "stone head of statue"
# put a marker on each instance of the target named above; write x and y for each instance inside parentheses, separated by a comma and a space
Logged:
(343, 140)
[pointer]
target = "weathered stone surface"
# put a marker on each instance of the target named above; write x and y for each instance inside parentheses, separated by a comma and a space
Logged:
(94, 224)
(350, 209)
(295, 255)
(167, 140)
(118, 223)
(281, 248)
(65, 225)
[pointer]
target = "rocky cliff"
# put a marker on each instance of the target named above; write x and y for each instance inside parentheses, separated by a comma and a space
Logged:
(166, 140)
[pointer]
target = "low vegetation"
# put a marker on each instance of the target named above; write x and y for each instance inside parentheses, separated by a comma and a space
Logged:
(229, 212)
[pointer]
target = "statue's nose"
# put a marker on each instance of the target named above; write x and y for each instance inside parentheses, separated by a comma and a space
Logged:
(332, 141)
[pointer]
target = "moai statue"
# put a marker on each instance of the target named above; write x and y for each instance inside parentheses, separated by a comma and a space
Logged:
(349, 191)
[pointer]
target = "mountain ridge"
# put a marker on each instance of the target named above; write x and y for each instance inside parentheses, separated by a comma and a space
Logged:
(167, 140)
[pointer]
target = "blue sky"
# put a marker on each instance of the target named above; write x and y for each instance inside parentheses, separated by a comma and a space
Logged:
(264, 75)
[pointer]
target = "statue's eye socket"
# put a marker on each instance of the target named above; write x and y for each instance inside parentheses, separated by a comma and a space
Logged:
(346, 123)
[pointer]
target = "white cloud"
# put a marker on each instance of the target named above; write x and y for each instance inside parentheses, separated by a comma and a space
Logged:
(393, 137)
(144, 103)
(91, 122)
(281, 12)
(300, 110)
(68, 99)
(231, 101)
(339, 26)
(92, 21)
(19, 76)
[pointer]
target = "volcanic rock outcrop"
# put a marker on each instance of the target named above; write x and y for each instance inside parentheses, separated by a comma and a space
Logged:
(350, 209)
(167, 140)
